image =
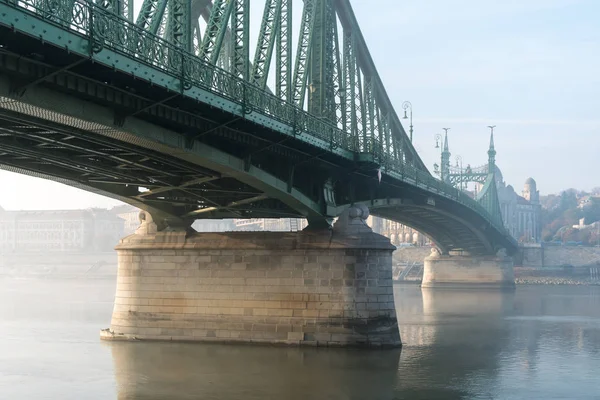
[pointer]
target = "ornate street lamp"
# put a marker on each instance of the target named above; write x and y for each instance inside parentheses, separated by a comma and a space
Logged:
(438, 139)
(459, 159)
(439, 169)
(407, 105)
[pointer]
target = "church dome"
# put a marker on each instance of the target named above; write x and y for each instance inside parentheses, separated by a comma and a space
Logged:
(530, 182)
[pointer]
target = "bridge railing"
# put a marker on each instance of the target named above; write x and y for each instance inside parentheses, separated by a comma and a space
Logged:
(104, 29)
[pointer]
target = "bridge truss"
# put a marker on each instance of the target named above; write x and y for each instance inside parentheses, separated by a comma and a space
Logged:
(329, 73)
(276, 128)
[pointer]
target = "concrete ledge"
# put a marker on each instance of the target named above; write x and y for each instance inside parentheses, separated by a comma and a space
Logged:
(470, 286)
(460, 272)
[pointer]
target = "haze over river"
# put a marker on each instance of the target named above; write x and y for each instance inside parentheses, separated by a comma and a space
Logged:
(540, 342)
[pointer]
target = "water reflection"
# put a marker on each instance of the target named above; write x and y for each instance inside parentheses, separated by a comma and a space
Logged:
(564, 322)
(539, 343)
(452, 336)
(185, 371)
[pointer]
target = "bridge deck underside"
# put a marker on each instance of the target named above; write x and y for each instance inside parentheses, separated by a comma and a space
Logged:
(117, 169)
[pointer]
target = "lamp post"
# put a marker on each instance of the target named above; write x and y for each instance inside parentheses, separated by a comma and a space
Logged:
(438, 139)
(444, 164)
(459, 159)
(407, 105)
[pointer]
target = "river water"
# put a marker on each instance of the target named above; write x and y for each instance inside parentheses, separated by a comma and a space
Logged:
(540, 342)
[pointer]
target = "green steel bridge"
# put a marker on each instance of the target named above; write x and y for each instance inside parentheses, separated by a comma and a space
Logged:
(174, 112)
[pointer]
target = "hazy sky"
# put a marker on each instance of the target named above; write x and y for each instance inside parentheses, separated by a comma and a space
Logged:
(530, 67)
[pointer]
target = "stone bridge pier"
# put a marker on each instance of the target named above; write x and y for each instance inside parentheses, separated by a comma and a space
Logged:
(463, 270)
(323, 287)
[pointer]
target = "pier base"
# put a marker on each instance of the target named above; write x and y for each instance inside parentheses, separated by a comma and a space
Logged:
(467, 271)
(320, 288)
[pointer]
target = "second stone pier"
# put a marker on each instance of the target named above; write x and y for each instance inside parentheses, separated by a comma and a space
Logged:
(462, 270)
(323, 288)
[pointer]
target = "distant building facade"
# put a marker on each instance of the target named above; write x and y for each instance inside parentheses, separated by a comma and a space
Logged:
(397, 233)
(270, 224)
(522, 214)
(59, 231)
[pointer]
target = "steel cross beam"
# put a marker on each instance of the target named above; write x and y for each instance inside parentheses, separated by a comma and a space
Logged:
(162, 189)
(283, 70)
(266, 42)
(303, 52)
(215, 31)
(179, 27)
(228, 206)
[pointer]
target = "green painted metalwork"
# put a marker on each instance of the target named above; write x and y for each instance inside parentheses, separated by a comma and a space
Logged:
(283, 70)
(370, 114)
(338, 74)
(303, 52)
(240, 25)
(123, 8)
(266, 42)
(491, 153)
(350, 123)
(363, 135)
(488, 198)
(151, 15)
(322, 98)
(215, 31)
(485, 175)
(458, 176)
(196, 36)
(179, 31)
(359, 122)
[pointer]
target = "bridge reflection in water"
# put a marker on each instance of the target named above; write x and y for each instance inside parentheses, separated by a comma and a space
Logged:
(449, 337)
(186, 371)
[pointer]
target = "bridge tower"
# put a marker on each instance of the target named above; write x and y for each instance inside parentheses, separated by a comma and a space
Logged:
(492, 154)
(459, 268)
(445, 167)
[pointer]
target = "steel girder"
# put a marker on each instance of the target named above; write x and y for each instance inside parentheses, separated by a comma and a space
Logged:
(151, 15)
(240, 29)
(179, 27)
(215, 30)
(283, 70)
(303, 52)
(266, 42)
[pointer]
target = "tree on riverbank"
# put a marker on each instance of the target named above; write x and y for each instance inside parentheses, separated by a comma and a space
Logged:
(561, 212)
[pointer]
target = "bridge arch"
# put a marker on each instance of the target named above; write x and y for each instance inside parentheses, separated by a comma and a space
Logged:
(450, 231)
